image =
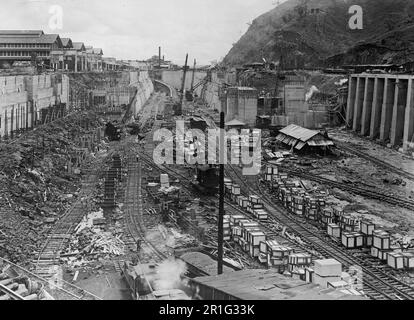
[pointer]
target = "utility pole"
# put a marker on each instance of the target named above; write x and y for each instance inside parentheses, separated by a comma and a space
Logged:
(222, 149)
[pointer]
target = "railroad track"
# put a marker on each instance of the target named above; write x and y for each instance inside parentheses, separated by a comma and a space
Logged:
(377, 284)
(396, 201)
(378, 162)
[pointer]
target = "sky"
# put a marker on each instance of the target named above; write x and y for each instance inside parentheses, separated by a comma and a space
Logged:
(133, 29)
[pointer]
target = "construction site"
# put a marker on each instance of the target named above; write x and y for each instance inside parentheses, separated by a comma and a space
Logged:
(257, 182)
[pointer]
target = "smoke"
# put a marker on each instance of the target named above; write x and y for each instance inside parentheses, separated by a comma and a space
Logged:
(310, 93)
(169, 274)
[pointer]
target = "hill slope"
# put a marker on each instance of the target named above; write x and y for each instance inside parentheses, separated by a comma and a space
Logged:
(316, 32)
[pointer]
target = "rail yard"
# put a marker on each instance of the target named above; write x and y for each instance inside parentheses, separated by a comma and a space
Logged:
(284, 174)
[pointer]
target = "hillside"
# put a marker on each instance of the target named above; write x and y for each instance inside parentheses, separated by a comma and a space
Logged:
(316, 32)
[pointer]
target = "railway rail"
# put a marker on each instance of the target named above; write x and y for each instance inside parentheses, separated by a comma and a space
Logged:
(377, 284)
(378, 162)
(384, 197)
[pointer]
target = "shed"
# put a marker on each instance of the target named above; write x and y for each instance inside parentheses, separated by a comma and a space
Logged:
(299, 137)
(260, 284)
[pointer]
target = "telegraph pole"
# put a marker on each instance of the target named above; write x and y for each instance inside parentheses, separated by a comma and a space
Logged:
(222, 149)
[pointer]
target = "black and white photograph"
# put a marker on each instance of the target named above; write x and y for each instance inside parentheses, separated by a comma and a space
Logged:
(204, 156)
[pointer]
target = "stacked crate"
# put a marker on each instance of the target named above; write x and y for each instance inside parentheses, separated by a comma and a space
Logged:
(255, 203)
(275, 256)
(367, 229)
(338, 213)
(235, 192)
(352, 240)
(381, 244)
(348, 223)
(395, 260)
(254, 238)
(326, 216)
(246, 227)
(311, 208)
(243, 202)
(260, 214)
(408, 260)
(298, 205)
(235, 228)
(299, 260)
(226, 228)
(334, 230)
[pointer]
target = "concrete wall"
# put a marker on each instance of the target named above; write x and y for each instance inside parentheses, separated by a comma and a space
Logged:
(145, 88)
(381, 106)
(240, 103)
(175, 78)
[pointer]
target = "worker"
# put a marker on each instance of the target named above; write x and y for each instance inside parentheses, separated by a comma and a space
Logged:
(139, 245)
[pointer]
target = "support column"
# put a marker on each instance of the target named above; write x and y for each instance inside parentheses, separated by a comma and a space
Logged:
(359, 101)
(352, 90)
(367, 106)
(76, 63)
(397, 123)
(386, 113)
(377, 107)
(409, 117)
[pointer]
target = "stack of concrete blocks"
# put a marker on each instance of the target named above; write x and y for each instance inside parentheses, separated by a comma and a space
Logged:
(14, 105)
(381, 106)
(240, 103)
(327, 271)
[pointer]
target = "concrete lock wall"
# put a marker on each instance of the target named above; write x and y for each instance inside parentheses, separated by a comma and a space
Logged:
(174, 78)
(145, 88)
(381, 106)
(240, 103)
(22, 99)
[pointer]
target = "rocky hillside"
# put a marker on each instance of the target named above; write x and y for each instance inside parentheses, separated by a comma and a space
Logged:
(316, 32)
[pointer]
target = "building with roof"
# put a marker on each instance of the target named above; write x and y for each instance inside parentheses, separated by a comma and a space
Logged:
(94, 58)
(27, 45)
(298, 137)
(260, 284)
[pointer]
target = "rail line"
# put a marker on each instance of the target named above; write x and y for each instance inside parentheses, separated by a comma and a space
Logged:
(376, 283)
(403, 203)
(378, 162)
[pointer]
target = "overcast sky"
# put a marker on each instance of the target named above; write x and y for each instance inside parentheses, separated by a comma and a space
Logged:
(133, 29)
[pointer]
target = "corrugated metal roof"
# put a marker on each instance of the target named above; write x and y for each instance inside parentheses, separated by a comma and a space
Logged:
(259, 284)
(298, 132)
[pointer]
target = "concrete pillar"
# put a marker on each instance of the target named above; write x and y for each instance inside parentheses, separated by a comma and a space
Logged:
(367, 106)
(398, 112)
(377, 107)
(352, 89)
(359, 101)
(76, 63)
(409, 117)
(387, 106)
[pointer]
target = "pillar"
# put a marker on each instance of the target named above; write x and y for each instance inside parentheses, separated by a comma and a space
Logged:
(367, 105)
(352, 89)
(359, 101)
(398, 112)
(386, 112)
(76, 63)
(409, 117)
(377, 107)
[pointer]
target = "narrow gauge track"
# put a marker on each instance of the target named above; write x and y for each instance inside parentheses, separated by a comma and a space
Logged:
(270, 226)
(377, 284)
(378, 162)
(134, 222)
(403, 203)
(60, 235)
